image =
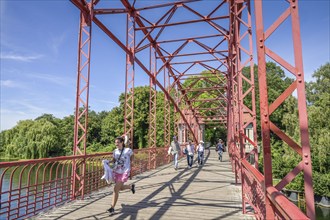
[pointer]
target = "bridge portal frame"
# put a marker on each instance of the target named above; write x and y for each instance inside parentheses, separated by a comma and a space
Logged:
(236, 120)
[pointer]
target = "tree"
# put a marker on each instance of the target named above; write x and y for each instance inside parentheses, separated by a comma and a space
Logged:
(66, 129)
(318, 97)
(112, 126)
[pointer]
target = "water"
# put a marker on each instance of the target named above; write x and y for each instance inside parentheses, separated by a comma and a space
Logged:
(33, 187)
(322, 213)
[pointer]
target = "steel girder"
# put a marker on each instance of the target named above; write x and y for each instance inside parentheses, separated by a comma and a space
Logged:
(241, 55)
(129, 80)
(152, 109)
(227, 63)
(266, 108)
(82, 95)
(167, 112)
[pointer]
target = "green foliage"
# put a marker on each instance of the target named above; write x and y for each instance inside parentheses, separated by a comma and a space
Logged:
(277, 82)
(33, 139)
(48, 136)
(318, 96)
(112, 126)
(297, 184)
(212, 132)
(284, 158)
(321, 183)
(319, 91)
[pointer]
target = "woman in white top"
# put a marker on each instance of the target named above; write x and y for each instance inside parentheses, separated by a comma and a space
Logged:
(200, 151)
(121, 171)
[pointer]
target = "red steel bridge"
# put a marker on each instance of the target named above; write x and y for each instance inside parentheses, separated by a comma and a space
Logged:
(221, 43)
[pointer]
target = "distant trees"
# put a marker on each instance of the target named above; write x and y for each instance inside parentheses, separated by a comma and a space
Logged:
(32, 139)
(318, 107)
(318, 96)
(48, 136)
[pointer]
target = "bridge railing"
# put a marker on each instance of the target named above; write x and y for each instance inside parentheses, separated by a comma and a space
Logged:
(253, 188)
(32, 186)
(254, 195)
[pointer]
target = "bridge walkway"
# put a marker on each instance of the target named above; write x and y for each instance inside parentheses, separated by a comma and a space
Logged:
(206, 192)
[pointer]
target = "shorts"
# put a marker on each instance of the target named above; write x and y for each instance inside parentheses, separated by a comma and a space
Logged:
(121, 177)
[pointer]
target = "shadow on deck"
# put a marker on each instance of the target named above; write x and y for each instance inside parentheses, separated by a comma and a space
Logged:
(206, 192)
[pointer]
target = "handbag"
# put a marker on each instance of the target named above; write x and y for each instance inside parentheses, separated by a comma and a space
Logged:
(116, 162)
(169, 150)
(108, 172)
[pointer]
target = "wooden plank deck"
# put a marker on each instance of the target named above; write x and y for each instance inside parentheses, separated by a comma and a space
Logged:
(207, 192)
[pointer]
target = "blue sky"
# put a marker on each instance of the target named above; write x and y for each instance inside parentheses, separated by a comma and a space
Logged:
(39, 56)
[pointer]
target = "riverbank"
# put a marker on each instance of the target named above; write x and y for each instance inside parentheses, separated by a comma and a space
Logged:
(293, 196)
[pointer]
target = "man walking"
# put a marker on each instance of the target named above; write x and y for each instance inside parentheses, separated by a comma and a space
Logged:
(175, 150)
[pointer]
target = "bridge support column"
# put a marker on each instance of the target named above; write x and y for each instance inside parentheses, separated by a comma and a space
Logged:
(82, 95)
(266, 108)
(167, 111)
(152, 110)
(129, 85)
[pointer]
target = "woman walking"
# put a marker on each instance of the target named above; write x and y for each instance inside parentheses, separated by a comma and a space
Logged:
(200, 151)
(121, 171)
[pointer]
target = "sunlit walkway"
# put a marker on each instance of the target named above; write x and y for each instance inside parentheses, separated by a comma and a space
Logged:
(207, 192)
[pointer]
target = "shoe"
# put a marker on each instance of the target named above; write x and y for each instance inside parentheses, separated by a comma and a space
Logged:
(133, 188)
(111, 210)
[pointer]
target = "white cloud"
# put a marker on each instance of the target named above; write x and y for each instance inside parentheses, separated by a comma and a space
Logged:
(107, 102)
(10, 84)
(27, 106)
(53, 78)
(56, 42)
(18, 57)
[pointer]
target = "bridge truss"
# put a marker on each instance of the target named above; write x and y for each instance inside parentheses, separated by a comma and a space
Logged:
(219, 42)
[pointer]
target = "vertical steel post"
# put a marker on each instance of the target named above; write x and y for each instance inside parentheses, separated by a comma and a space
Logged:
(176, 114)
(264, 112)
(81, 111)
(129, 86)
(167, 111)
(232, 86)
(266, 109)
(250, 81)
(152, 108)
(236, 10)
(302, 111)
